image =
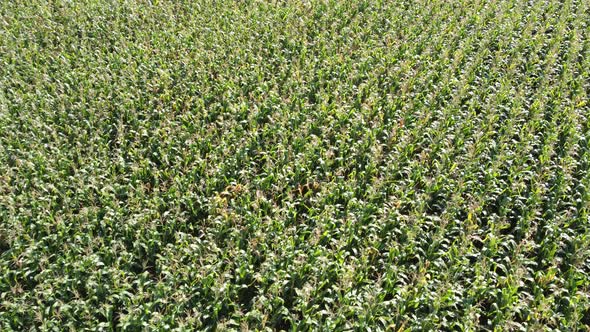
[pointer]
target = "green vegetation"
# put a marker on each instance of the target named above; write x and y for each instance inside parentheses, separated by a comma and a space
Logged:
(294, 165)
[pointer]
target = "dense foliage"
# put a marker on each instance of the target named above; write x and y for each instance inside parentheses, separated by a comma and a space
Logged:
(294, 165)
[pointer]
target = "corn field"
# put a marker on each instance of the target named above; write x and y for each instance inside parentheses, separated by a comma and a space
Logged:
(322, 165)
